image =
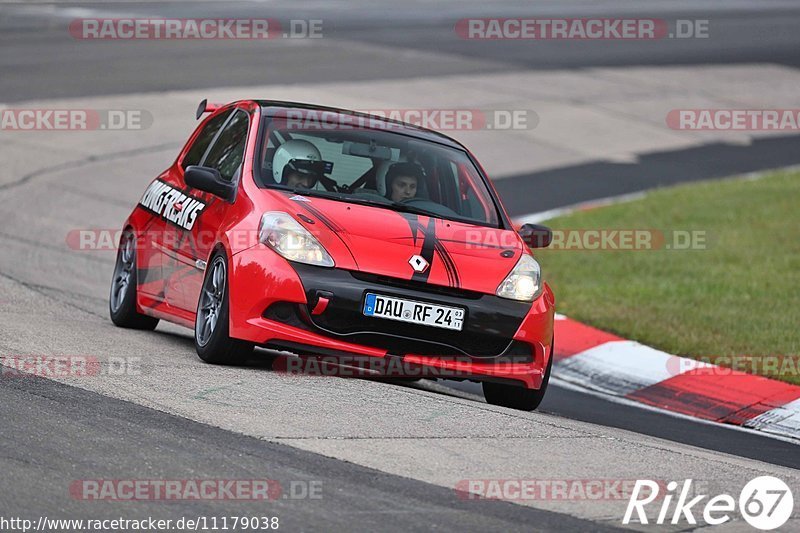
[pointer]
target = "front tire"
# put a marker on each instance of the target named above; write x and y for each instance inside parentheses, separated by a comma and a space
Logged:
(122, 300)
(517, 397)
(212, 323)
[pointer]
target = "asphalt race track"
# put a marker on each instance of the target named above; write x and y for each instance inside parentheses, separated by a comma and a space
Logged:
(387, 456)
(47, 63)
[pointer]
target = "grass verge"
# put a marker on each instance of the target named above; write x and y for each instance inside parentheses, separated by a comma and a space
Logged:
(736, 295)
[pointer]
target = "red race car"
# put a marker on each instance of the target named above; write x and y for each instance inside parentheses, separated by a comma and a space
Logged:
(330, 233)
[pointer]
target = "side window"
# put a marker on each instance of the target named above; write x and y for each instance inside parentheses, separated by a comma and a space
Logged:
(227, 153)
(200, 145)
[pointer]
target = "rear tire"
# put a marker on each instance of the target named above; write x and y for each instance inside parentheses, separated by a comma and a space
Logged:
(122, 299)
(212, 323)
(517, 397)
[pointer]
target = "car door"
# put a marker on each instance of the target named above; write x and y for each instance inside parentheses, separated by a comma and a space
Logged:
(170, 236)
(226, 155)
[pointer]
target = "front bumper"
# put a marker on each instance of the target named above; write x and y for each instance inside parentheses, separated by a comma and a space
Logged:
(276, 307)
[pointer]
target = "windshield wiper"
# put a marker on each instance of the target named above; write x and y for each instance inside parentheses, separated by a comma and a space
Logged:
(284, 188)
(388, 204)
(408, 208)
(303, 191)
(391, 204)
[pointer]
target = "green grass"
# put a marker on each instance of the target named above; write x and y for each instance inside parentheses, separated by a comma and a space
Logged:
(738, 296)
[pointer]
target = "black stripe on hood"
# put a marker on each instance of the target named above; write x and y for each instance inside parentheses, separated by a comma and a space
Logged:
(449, 265)
(428, 247)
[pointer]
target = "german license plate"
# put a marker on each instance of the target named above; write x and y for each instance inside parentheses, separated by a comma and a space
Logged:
(427, 314)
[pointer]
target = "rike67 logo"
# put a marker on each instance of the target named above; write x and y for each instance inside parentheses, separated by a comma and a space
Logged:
(765, 503)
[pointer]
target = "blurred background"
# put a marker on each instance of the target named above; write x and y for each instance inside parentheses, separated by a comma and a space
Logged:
(597, 108)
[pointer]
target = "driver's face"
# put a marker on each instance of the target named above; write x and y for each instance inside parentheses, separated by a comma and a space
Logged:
(296, 179)
(404, 188)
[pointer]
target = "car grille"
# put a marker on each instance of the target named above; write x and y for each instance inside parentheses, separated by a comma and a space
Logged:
(489, 326)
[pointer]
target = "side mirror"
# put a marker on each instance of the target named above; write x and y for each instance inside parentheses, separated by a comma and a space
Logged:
(535, 235)
(209, 180)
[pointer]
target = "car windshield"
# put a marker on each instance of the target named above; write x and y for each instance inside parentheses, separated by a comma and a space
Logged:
(367, 162)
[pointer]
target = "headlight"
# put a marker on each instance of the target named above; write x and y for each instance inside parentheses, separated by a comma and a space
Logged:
(525, 281)
(285, 235)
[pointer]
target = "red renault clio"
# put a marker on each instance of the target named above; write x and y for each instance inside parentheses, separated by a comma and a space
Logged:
(321, 231)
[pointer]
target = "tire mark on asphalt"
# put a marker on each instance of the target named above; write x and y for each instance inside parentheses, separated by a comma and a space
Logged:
(94, 196)
(52, 247)
(45, 291)
(79, 163)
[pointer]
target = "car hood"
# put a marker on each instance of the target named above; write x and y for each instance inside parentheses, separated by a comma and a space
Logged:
(385, 242)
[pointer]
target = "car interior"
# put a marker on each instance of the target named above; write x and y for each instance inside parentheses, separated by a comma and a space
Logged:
(359, 161)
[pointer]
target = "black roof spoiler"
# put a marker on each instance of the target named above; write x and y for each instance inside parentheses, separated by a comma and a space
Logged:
(205, 107)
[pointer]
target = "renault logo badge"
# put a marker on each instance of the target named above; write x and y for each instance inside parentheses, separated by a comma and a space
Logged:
(418, 263)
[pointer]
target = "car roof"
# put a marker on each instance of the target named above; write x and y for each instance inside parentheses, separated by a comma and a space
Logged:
(272, 106)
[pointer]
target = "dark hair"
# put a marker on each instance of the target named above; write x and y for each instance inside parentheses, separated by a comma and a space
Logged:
(403, 169)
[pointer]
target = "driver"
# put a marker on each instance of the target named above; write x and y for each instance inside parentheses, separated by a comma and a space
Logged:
(297, 163)
(402, 180)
